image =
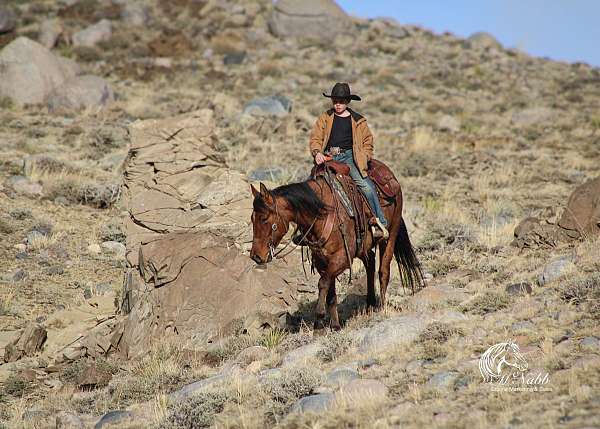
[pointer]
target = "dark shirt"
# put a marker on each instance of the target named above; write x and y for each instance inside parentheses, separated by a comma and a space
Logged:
(341, 133)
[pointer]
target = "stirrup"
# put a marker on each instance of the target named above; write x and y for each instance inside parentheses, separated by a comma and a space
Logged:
(384, 232)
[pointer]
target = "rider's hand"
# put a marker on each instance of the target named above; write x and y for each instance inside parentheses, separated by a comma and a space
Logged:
(319, 158)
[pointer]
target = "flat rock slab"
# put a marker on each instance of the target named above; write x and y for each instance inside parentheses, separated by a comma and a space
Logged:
(314, 403)
(391, 333)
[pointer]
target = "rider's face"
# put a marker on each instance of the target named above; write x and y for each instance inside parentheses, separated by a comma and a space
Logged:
(339, 104)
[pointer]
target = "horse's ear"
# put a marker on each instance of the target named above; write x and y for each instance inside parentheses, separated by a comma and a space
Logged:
(266, 194)
(254, 191)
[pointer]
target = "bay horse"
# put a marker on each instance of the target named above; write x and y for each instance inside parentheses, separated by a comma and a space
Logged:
(308, 204)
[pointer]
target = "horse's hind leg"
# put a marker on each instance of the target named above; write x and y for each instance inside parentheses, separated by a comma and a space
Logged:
(386, 253)
(369, 264)
(332, 307)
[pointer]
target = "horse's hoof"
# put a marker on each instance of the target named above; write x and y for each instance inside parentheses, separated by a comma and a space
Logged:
(336, 328)
(319, 325)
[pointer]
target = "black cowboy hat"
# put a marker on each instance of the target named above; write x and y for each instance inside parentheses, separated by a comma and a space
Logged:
(342, 90)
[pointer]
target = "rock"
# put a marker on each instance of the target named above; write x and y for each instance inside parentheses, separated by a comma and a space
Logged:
(592, 343)
(114, 417)
(115, 248)
(55, 270)
(388, 27)
(358, 390)
(434, 296)
(23, 186)
(94, 249)
(525, 325)
(28, 343)
(99, 32)
(234, 58)
(533, 116)
(30, 71)
(449, 123)
(321, 19)
(586, 361)
(50, 31)
(391, 333)
(556, 269)
(415, 366)
(314, 403)
(66, 420)
(20, 247)
(92, 378)
(442, 380)
(135, 13)
(341, 376)
(192, 388)
(81, 92)
(582, 214)
(252, 354)
(301, 354)
(273, 174)
(522, 288)
(277, 105)
(482, 40)
(18, 275)
(8, 20)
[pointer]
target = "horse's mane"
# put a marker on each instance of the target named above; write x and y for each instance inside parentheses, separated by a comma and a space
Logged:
(300, 196)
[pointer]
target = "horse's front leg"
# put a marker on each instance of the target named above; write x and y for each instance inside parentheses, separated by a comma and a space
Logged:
(324, 283)
(332, 307)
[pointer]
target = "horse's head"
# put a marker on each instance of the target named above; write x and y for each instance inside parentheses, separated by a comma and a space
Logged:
(513, 356)
(268, 226)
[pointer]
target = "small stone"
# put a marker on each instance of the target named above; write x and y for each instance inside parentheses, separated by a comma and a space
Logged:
(66, 420)
(18, 275)
(341, 376)
(61, 201)
(99, 32)
(522, 288)
(94, 249)
(53, 383)
(314, 403)
(525, 325)
(555, 269)
(234, 58)
(252, 354)
(115, 248)
(449, 123)
(49, 33)
(442, 380)
(277, 105)
(592, 343)
(301, 354)
(272, 173)
(87, 293)
(8, 20)
(113, 417)
(415, 366)
(55, 270)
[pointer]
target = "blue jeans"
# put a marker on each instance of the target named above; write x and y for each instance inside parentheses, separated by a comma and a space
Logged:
(365, 184)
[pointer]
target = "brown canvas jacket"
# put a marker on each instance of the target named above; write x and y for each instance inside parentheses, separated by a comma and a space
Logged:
(362, 139)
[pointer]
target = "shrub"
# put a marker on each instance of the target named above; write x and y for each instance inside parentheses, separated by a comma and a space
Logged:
(488, 303)
(584, 292)
(292, 384)
(197, 411)
(335, 345)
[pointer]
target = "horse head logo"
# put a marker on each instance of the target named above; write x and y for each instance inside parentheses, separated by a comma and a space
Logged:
(501, 355)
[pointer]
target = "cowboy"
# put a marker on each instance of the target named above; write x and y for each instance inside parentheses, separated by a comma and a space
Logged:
(343, 135)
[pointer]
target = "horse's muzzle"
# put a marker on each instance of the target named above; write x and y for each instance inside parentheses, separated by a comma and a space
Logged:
(259, 260)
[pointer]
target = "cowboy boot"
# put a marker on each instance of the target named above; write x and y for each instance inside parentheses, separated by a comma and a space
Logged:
(384, 232)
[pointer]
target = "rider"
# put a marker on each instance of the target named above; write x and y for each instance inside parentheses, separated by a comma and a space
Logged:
(343, 134)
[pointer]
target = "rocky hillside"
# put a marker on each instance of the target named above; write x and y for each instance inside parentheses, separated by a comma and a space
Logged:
(487, 142)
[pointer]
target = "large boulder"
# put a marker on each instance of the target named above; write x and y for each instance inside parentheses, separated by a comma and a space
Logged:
(582, 215)
(30, 71)
(81, 92)
(310, 18)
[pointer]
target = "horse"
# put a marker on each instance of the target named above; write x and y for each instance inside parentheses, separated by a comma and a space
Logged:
(499, 355)
(311, 205)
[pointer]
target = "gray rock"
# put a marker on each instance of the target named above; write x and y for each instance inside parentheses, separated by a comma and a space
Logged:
(555, 270)
(23, 186)
(301, 354)
(277, 105)
(8, 20)
(391, 333)
(99, 32)
(415, 366)
(190, 389)
(522, 288)
(314, 403)
(135, 13)
(252, 354)
(50, 31)
(341, 376)
(357, 390)
(389, 27)
(591, 343)
(234, 58)
(272, 173)
(442, 380)
(18, 275)
(309, 18)
(66, 420)
(33, 236)
(449, 123)
(115, 248)
(524, 325)
(482, 40)
(113, 417)
(55, 270)
(81, 92)
(30, 71)
(434, 296)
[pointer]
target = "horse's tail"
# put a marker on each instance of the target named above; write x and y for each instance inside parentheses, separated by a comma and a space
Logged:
(408, 264)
